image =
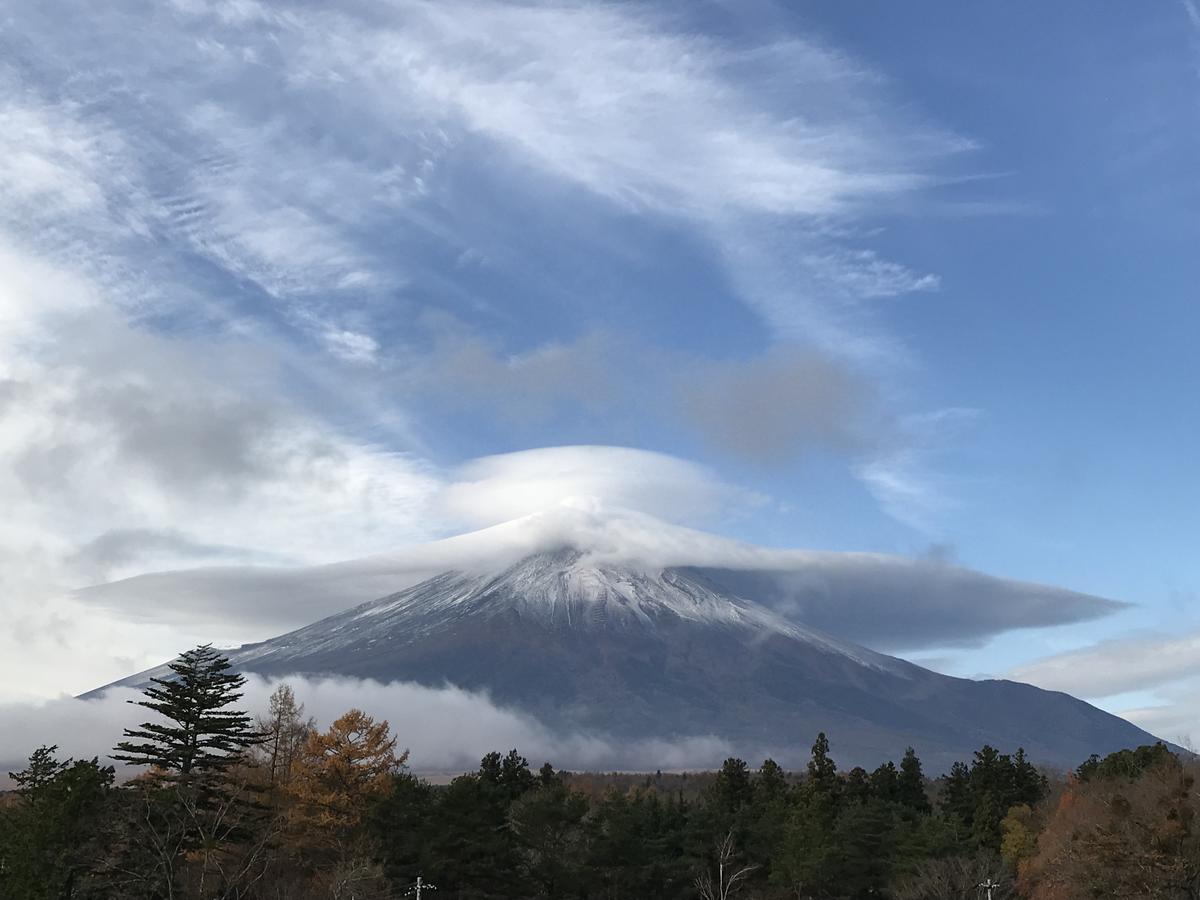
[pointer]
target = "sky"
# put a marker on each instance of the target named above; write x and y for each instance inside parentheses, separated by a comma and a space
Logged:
(289, 283)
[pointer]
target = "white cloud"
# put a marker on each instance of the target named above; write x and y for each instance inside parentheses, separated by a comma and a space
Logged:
(306, 128)
(1192, 9)
(1117, 666)
(1154, 675)
(171, 250)
(109, 429)
(49, 165)
(508, 486)
(617, 99)
(352, 346)
(1176, 721)
(863, 274)
(445, 729)
(885, 602)
(902, 478)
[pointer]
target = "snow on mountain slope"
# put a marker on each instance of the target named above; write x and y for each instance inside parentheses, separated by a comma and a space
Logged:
(560, 590)
(884, 601)
(586, 645)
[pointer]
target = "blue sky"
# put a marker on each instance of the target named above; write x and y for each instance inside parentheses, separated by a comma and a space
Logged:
(917, 280)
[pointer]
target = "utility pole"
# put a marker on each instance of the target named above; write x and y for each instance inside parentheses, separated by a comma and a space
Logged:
(988, 886)
(420, 887)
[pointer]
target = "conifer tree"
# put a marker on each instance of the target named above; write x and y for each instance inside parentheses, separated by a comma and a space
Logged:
(956, 797)
(857, 786)
(885, 782)
(822, 771)
(340, 772)
(910, 787)
(513, 777)
(730, 791)
(200, 734)
(771, 780)
(50, 835)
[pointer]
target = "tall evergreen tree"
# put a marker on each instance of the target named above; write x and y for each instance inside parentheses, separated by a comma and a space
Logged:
(201, 733)
(956, 800)
(729, 793)
(822, 771)
(910, 787)
(857, 786)
(808, 855)
(885, 783)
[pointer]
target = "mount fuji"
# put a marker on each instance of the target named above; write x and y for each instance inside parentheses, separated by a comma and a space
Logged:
(551, 619)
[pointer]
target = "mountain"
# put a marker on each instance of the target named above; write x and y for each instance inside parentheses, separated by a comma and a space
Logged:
(591, 644)
(885, 602)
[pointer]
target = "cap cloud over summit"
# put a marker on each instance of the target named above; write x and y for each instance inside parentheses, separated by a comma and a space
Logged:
(886, 602)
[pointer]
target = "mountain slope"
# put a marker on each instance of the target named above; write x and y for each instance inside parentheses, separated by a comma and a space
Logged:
(637, 652)
(886, 602)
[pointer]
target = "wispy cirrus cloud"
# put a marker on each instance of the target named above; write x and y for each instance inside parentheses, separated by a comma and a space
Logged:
(299, 131)
(219, 222)
(902, 474)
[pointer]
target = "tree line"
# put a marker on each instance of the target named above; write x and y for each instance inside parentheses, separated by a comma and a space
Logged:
(226, 806)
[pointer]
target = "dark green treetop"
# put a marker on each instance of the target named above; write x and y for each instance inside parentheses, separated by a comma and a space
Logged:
(201, 733)
(910, 787)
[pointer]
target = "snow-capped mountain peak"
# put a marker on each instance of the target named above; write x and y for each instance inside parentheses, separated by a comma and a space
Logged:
(563, 589)
(590, 642)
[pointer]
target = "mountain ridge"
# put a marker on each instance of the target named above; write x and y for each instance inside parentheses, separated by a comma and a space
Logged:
(638, 652)
(886, 602)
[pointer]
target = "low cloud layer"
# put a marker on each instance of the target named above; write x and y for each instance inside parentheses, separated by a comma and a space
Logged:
(445, 730)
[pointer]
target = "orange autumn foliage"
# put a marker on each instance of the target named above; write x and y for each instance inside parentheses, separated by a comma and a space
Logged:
(338, 772)
(1120, 837)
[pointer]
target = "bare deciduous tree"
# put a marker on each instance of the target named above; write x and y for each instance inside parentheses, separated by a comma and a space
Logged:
(284, 730)
(730, 877)
(952, 878)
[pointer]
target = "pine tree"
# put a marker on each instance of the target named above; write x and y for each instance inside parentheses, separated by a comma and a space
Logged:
(1029, 785)
(956, 797)
(546, 824)
(910, 787)
(730, 791)
(770, 804)
(200, 733)
(857, 786)
(771, 780)
(807, 861)
(513, 777)
(885, 782)
(822, 771)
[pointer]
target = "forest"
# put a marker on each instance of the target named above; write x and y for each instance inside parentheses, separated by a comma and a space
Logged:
(223, 805)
